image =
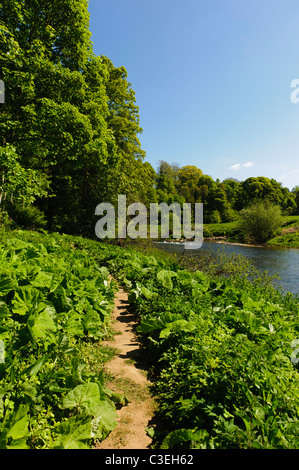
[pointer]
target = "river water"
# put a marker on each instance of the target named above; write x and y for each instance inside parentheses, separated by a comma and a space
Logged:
(283, 262)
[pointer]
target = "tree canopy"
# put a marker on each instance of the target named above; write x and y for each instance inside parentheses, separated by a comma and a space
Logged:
(70, 116)
(70, 126)
(224, 200)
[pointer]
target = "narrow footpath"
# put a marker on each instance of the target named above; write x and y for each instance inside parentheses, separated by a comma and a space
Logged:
(129, 378)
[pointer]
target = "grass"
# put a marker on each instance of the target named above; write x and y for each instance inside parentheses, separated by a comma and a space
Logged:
(288, 238)
(96, 355)
(131, 390)
(291, 220)
(222, 229)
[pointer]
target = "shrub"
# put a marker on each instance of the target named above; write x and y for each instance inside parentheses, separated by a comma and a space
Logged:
(261, 220)
(215, 217)
(28, 217)
(6, 222)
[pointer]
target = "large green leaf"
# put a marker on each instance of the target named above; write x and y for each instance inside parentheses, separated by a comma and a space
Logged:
(87, 398)
(7, 283)
(164, 278)
(74, 324)
(25, 299)
(43, 279)
(19, 423)
(104, 421)
(148, 294)
(83, 397)
(73, 433)
(18, 444)
(42, 326)
(150, 323)
(178, 326)
(93, 323)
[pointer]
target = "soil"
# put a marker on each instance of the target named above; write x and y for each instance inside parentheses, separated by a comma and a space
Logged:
(129, 377)
(289, 230)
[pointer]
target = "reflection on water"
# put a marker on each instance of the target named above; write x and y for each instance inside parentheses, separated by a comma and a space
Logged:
(281, 261)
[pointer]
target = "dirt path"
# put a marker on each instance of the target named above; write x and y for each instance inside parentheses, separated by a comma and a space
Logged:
(130, 379)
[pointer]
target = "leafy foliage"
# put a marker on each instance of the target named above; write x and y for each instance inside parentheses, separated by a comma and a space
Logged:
(220, 348)
(69, 125)
(261, 220)
(53, 298)
(220, 351)
(222, 201)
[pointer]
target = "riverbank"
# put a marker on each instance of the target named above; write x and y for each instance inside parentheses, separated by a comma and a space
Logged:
(226, 241)
(230, 233)
(225, 258)
(218, 350)
(287, 240)
(283, 241)
(291, 241)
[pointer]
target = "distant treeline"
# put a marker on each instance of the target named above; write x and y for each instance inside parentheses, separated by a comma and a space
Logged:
(222, 200)
(69, 131)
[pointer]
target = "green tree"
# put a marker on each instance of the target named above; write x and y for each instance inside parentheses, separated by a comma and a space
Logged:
(53, 115)
(255, 188)
(166, 178)
(261, 220)
(215, 201)
(128, 174)
(18, 184)
(70, 115)
(234, 193)
(187, 184)
(295, 192)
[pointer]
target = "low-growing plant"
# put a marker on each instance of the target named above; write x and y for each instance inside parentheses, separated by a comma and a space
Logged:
(218, 345)
(220, 351)
(55, 304)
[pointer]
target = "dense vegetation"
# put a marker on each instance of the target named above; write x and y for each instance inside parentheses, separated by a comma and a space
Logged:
(286, 235)
(55, 304)
(69, 131)
(69, 126)
(219, 349)
(222, 200)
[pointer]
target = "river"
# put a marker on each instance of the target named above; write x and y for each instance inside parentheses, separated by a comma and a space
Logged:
(283, 262)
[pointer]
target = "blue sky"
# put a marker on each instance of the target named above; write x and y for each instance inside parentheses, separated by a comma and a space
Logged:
(212, 80)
